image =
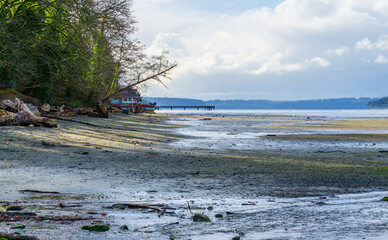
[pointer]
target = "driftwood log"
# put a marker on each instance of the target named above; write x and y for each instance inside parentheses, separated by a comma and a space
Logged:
(143, 206)
(17, 237)
(23, 116)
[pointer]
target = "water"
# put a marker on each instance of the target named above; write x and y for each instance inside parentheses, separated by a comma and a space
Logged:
(341, 113)
(345, 216)
(246, 129)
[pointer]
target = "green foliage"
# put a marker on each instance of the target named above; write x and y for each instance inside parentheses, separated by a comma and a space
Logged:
(73, 51)
(48, 47)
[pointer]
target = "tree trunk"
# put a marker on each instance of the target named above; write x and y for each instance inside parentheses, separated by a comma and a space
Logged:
(101, 110)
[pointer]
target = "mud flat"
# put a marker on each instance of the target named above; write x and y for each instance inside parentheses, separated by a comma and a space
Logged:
(82, 171)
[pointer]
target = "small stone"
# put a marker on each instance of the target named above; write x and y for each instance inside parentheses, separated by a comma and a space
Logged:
(385, 199)
(210, 208)
(236, 238)
(48, 144)
(218, 215)
(96, 228)
(201, 218)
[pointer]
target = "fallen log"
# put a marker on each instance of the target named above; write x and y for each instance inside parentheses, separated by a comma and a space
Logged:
(135, 205)
(83, 110)
(24, 116)
(37, 191)
(16, 237)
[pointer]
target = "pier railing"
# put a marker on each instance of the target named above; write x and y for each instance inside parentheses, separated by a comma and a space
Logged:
(186, 107)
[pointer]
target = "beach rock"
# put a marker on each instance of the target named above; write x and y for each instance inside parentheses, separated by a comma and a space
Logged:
(210, 208)
(96, 228)
(236, 238)
(385, 199)
(218, 215)
(201, 218)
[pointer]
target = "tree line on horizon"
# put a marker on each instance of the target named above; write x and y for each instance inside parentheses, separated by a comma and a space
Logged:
(74, 52)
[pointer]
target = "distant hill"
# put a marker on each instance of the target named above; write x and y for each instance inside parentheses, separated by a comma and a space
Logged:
(176, 101)
(336, 103)
(380, 103)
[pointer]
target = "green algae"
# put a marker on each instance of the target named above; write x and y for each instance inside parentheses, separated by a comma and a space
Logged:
(201, 218)
(6, 207)
(124, 227)
(96, 228)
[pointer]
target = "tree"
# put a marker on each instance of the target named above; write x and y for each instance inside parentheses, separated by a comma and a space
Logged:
(79, 52)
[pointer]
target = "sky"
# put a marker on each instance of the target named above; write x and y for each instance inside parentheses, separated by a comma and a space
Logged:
(268, 49)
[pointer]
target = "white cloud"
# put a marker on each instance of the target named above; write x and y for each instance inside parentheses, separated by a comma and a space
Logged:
(364, 44)
(277, 67)
(382, 42)
(289, 38)
(339, 51)
(320, 61)
(381, 59)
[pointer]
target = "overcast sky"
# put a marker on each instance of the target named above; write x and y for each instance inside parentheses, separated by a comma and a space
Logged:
(268, 49)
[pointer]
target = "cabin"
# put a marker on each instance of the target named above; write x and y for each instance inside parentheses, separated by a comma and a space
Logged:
(131, 100)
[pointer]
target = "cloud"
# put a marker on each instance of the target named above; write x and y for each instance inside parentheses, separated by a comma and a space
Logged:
(382, 42)
(381, 59)
(320, 61)
(277, 67)
(266, 42)
(364, 44)
(339, 51)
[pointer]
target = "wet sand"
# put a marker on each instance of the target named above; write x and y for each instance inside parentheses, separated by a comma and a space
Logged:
(128, 159)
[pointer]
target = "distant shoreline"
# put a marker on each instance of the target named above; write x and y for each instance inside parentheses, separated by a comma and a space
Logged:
(335, 103)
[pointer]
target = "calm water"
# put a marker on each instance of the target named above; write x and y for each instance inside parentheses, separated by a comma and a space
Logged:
(345, 113)
(244, 129)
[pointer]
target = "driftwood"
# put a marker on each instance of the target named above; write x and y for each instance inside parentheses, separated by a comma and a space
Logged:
(37, 191)
(24, 116)
(83, 110)
(143, 206)
(27, 216)
(46, 107)
(17, 237)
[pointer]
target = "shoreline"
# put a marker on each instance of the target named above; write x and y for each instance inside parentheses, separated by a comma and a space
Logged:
(131, 161)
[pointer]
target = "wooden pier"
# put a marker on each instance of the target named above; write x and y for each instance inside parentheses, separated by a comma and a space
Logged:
(209, 108)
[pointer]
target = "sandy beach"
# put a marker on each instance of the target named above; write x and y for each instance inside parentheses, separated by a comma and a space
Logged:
(132, 159)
